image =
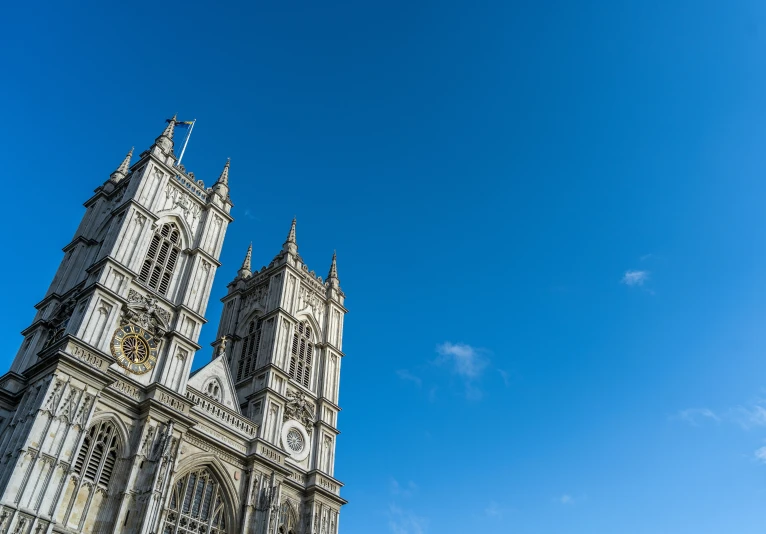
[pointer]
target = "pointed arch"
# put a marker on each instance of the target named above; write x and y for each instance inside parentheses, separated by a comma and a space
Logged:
(163, 260)
(306, 315)
(197, 463)
(288, 518)
(186, 233)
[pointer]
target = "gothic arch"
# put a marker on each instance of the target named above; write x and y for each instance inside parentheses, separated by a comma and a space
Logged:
(306, 315)
(212, 463)
(119, 425)
(186, 233)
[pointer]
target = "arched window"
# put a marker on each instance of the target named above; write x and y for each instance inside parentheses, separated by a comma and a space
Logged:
(157, 270)
(213, 390)
(196, 505)
(302, 354)
(98, 454)
(249, 350)
(288, 519)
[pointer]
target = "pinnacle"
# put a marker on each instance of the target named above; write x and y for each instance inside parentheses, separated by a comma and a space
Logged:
(224, 178)
(333, 267)
(122, 170)
(291, 245)
(248, 257)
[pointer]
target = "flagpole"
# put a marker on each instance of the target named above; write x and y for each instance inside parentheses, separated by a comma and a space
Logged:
(188, 135)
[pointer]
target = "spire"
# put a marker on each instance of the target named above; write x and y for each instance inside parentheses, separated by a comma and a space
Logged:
(222, 185)
(291, 245)
(245, 271)
(165, 140)
(333, 274)
(224, 178)
(122, 170)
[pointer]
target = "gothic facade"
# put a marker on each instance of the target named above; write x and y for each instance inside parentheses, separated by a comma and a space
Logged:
(103, 428)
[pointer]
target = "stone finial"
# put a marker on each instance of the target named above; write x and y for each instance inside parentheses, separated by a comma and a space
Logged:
(222, 185)
(224, 178)
(122, 170)
(333, 274)
(291, 245)
(245, 271)
(165, 140)
(221, 348)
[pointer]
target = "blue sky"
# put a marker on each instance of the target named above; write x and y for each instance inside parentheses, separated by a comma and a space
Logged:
(548, 216)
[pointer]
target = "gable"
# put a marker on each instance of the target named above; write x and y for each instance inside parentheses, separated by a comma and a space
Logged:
(214, 380)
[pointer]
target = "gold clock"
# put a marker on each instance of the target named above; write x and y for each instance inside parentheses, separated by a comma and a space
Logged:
(134, 348)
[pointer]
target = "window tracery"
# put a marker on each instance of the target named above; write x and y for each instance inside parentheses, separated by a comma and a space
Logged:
(196, 505)
(98, 454)
(160, 262)
(302, 354)
(249, 355)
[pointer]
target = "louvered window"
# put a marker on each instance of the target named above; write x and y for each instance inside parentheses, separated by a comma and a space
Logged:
(249, 355)
(196, 505)
(302, 355)
(161, 259)
(98, 454)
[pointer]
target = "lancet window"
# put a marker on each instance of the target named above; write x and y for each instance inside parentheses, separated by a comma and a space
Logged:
(302, 354)
(196, 505)
(288, 519)
(161, 258)
(98, 454)
(247, 359)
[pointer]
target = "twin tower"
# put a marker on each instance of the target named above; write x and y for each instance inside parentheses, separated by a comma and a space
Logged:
(103, 429)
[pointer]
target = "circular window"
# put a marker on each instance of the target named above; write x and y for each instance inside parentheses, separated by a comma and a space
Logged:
(295, 440)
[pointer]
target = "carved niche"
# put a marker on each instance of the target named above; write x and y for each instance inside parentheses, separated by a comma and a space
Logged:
(145, 312)
(300, 409)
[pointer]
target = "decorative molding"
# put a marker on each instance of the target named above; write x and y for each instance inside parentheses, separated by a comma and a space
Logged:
(145, 312)
(300, 409)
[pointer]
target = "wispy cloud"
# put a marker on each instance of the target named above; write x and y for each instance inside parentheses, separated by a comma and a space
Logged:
(695, 416)
(633, 278)
(566, 499)
(467, 361)
(249, 215)
(505, 376)
(407, 376)
(749, 416)
(760, 455)
(402, 490)
(402, 521)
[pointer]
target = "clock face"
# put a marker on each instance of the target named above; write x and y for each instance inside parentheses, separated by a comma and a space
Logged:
(134, 348)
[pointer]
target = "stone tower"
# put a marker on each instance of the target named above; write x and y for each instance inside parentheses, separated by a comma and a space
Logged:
(102, 427)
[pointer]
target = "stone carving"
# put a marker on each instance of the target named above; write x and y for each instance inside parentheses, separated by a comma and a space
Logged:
(300, 409)
(222, 347)
(59, 320)
(257, 296)
(145, 312)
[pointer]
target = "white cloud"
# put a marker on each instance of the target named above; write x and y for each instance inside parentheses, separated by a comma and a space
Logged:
(760, 455)
(406, 490)
(750, 416)
(405, 375)
(566, 499)
(467, 361)
(405, 521)
(505, 376)
(694, 416)
(635, 278)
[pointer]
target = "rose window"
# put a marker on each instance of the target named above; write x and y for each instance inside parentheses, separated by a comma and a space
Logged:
(295, 441)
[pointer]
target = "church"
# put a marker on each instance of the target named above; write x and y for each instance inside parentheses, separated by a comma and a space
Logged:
(104, 427)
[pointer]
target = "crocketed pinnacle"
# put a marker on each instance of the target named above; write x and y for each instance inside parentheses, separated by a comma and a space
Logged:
(291, 245)
(165, 140)
(122, 170)
(333, 274)
(224, 178)
(245, 270)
